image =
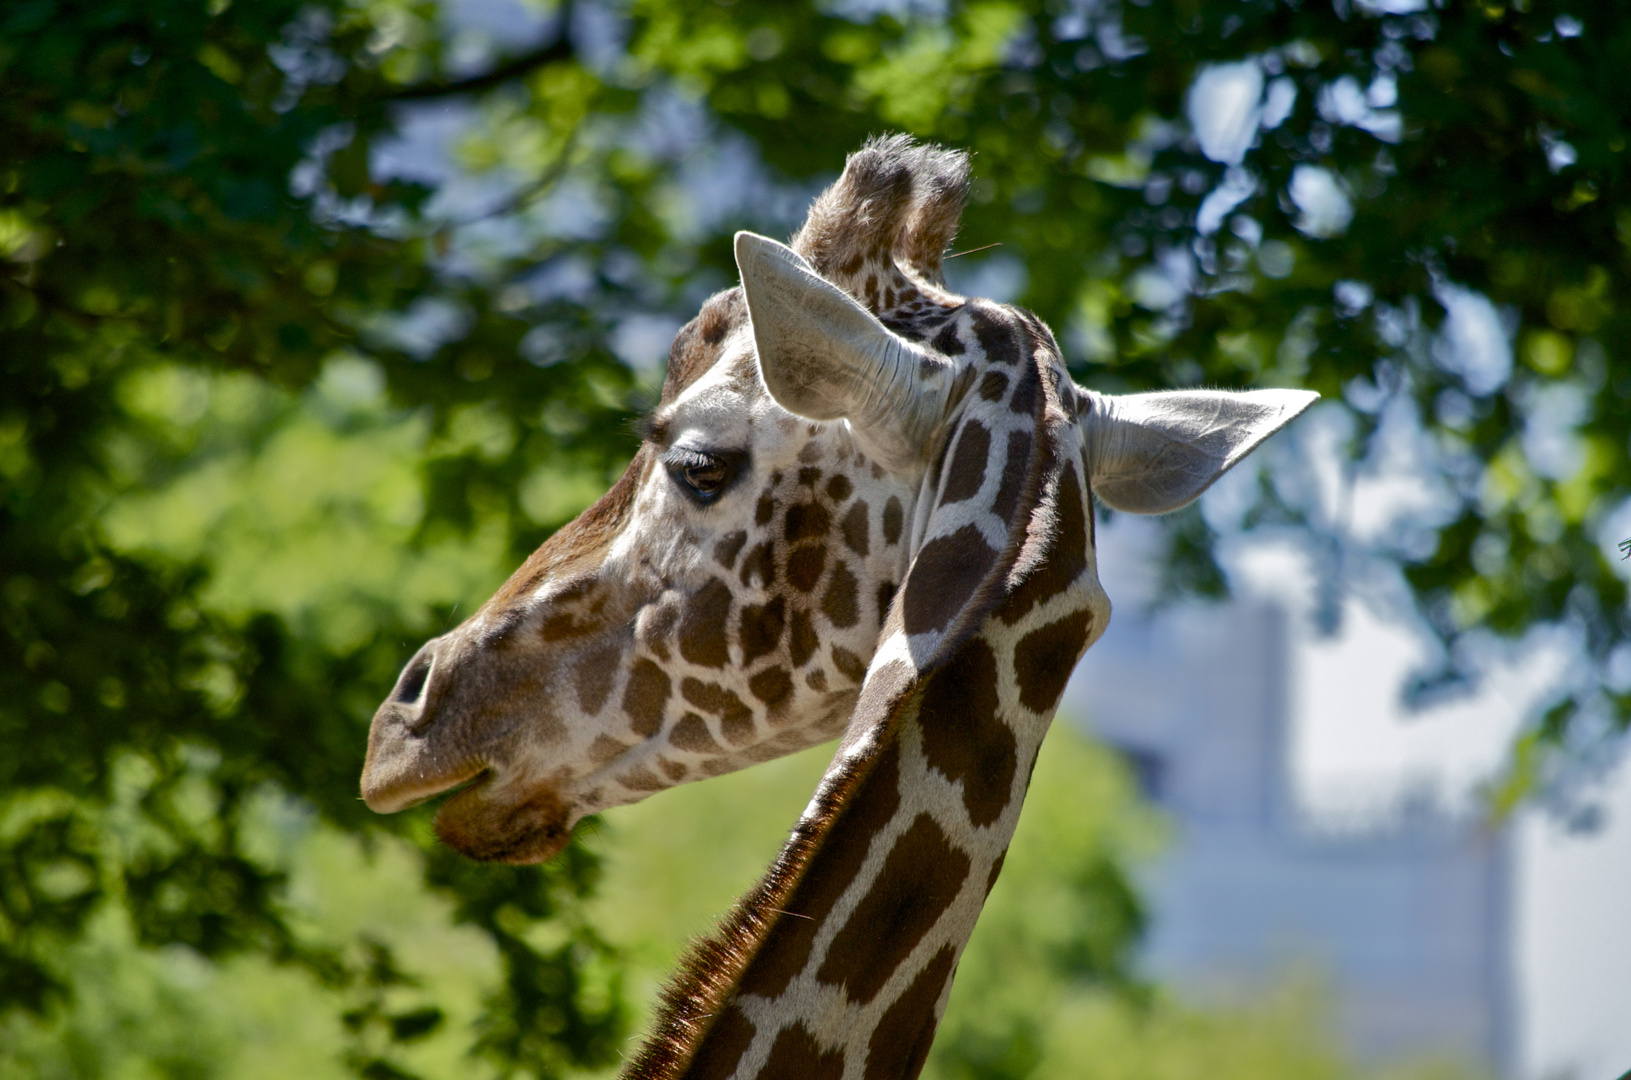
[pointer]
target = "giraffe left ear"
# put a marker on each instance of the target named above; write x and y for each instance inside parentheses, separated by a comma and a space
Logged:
(824, 356)
(1153, 453)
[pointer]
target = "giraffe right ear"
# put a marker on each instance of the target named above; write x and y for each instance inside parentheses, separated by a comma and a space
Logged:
(824, 356)
(1152, 453)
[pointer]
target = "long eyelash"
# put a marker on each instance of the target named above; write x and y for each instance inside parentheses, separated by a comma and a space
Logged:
(684, 459)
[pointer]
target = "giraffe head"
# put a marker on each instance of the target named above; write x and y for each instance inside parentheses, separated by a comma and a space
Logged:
(721, 604)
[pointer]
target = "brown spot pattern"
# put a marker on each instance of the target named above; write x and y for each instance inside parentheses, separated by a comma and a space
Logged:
(900, 1044)
(993, 385)
(1044, 657)
(796, 1056)
(856, 529)
(848, 664)
(838, 488)
(658, 626)
(723, 1046)
(728, 548)
(760, 563)
(641, 778)
(839, 603)
(886, 596)
(1026, 394)
(594, 674)
(968, 462)
(806, 521)
(893, 519)
(804, 567)
(605, 748)
(996, 338)
(702, 625)
(736, 719)
(645, 696)
(963, 733)
(1015, 467)
(944, 577)
(801, 645)
(692, 734)
(762, 627)
(1002, 857)
(920, 879)
(1063, 560)
(772, 686)
(786, 948)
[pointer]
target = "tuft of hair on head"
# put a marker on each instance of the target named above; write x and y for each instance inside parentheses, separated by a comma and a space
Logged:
(897, 198)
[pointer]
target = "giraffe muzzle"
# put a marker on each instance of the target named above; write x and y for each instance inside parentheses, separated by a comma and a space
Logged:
(416, 751)
(451, 724)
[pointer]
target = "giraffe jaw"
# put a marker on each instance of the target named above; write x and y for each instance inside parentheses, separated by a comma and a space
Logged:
(505, 826)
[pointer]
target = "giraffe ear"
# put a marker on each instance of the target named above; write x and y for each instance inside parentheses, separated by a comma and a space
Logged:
(824, 356)
(1151, 453)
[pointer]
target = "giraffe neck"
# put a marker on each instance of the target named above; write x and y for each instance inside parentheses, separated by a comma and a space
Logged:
(838, 966)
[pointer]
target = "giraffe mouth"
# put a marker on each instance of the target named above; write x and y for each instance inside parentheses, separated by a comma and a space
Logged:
(389, 790)
(452, 789)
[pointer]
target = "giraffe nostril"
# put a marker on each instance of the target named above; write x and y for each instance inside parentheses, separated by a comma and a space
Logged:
(411, 684)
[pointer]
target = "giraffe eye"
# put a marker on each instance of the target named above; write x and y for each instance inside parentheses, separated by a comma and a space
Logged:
(706, 478)
(703, 475)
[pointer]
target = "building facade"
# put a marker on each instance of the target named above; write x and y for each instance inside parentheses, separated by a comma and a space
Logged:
(1404, 912)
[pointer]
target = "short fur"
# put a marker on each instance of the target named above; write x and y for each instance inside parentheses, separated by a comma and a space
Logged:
(897, 198)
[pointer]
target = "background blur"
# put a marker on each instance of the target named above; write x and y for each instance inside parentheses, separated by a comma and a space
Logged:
(315, 317)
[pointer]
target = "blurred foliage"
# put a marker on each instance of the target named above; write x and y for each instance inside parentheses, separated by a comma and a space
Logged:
(192, 239)
(315, 315)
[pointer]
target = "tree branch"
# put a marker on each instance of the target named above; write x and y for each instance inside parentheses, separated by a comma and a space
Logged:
(560, 49)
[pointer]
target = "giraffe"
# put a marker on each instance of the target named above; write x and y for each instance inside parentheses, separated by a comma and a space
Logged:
(863, 506)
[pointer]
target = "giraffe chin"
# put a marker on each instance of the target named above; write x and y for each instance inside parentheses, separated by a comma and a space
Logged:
(482, 825)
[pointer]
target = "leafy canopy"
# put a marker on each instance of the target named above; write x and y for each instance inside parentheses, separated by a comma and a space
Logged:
(241, 316)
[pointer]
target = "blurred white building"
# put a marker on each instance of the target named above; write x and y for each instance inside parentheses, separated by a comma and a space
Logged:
(1404, 911)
